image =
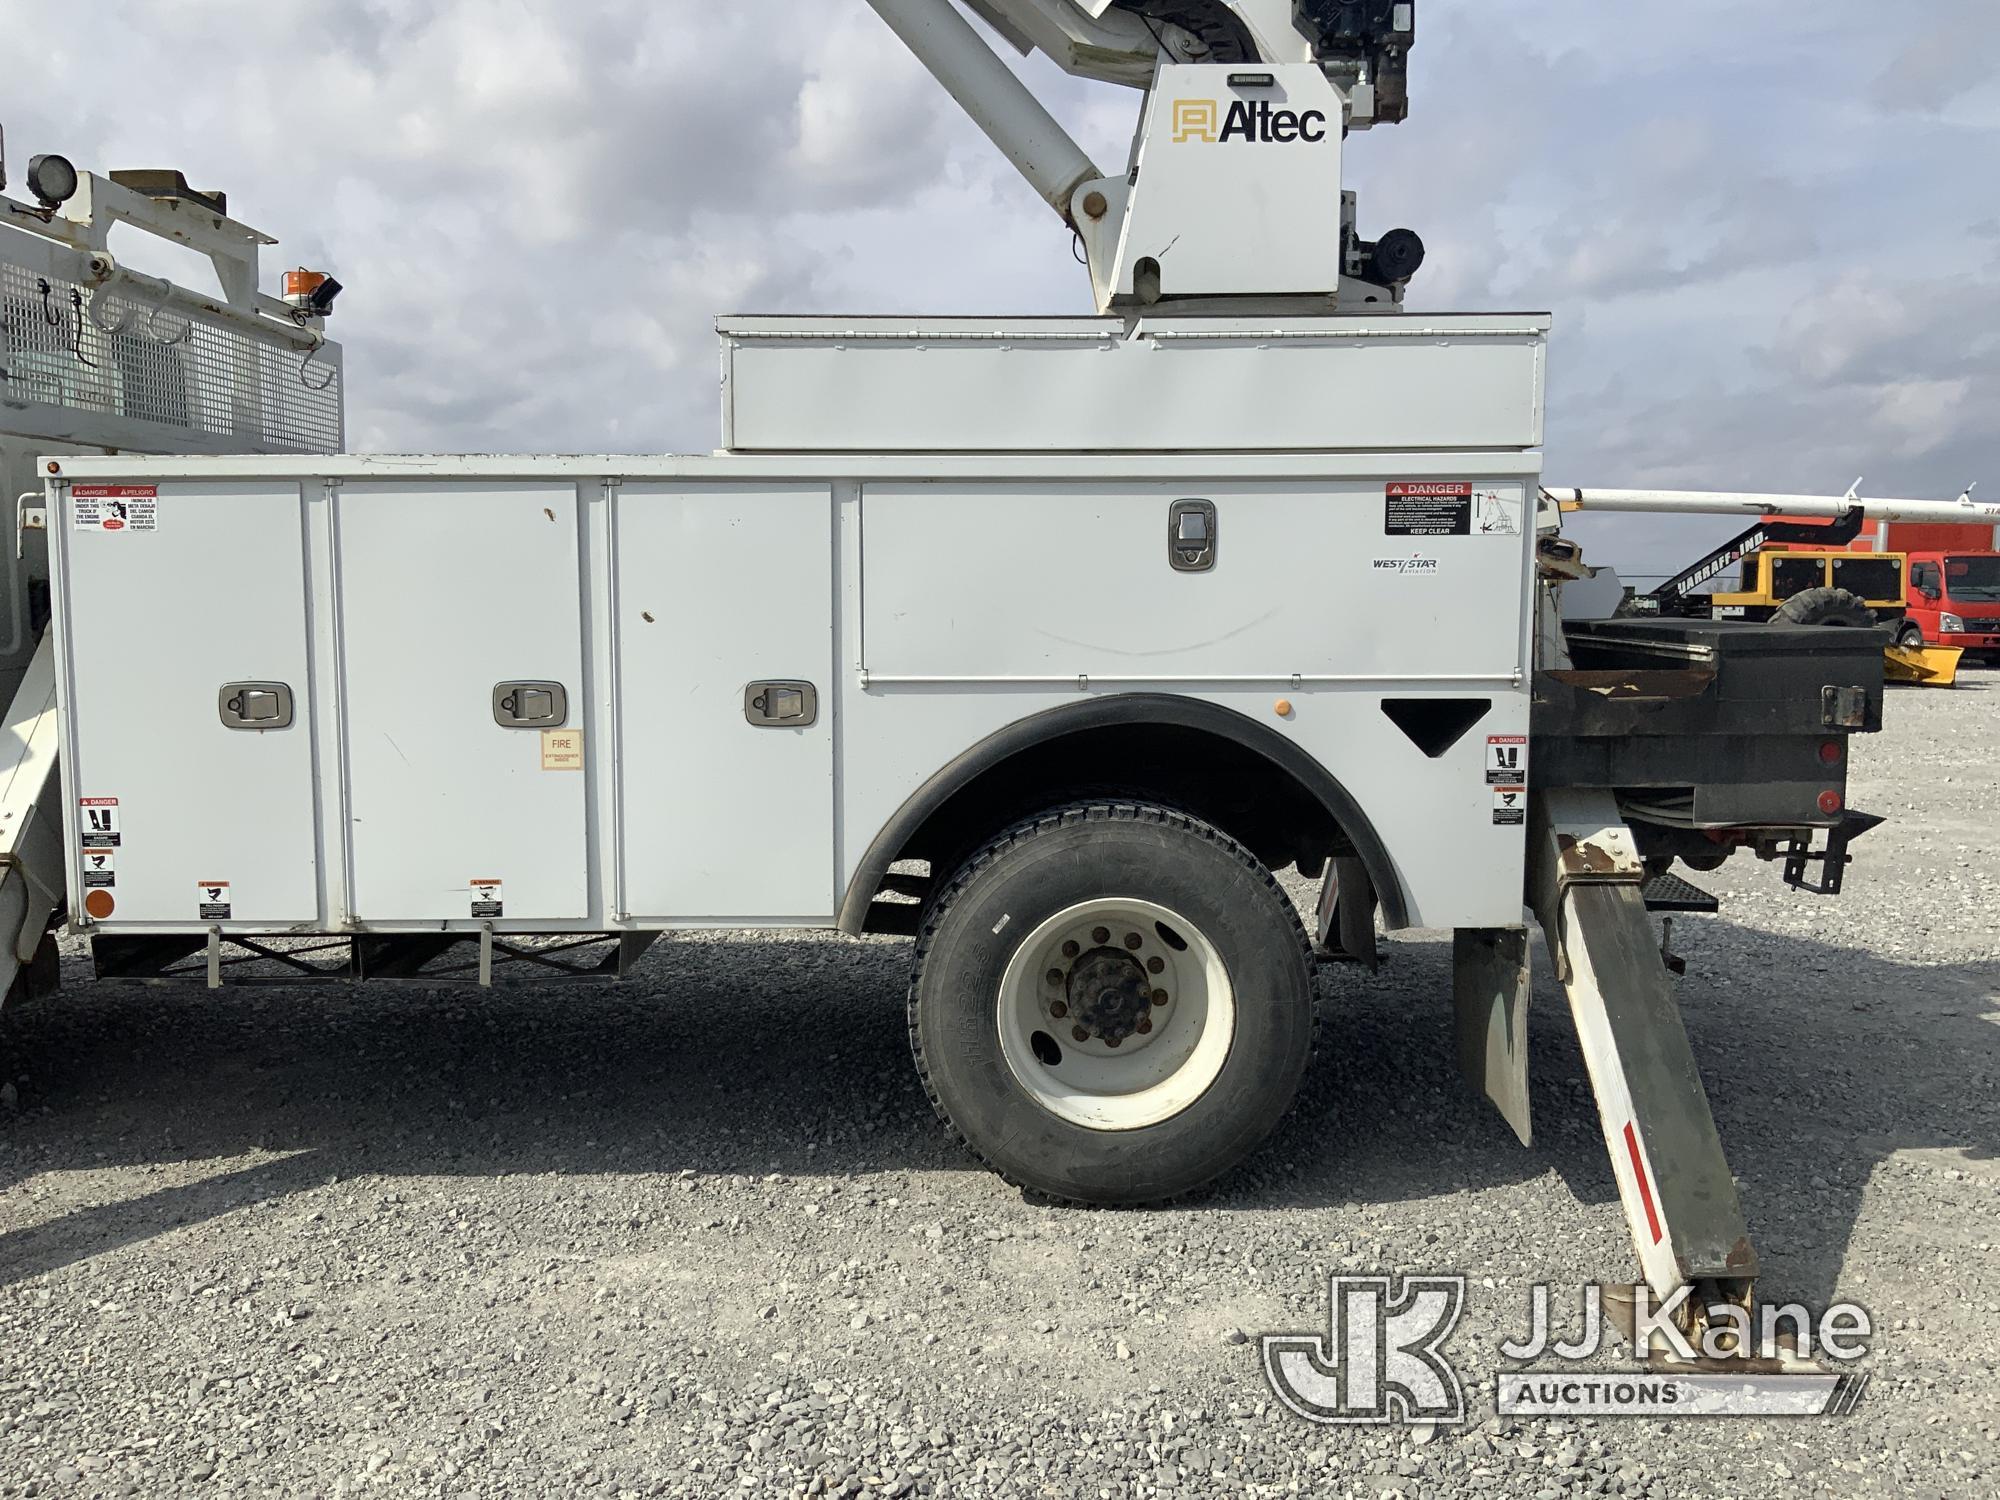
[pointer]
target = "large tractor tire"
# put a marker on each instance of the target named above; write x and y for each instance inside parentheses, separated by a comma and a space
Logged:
(1112, 1003)
(1825, 607)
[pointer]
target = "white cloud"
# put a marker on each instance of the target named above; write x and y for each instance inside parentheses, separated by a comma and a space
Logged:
(1760, 230)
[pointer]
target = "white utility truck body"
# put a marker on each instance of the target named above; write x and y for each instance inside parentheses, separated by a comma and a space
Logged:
(924, 597)
(98, 358)
(1045, 641)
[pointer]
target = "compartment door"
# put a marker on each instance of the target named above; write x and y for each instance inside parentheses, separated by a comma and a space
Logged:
(725, 819)
(456, 597)
(197, 586)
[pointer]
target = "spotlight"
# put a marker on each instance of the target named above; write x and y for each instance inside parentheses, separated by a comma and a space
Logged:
(52, 180)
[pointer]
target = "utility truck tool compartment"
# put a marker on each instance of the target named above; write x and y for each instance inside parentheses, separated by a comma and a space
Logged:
(564, 695)
(1092, 385)
(1731, 721)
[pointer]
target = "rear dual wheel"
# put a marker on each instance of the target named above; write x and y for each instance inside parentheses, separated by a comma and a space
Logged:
(1112, 1003)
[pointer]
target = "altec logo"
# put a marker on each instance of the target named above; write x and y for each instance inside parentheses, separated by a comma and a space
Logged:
(1203, 120)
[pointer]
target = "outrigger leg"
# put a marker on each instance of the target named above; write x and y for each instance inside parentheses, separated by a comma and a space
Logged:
(1680, 1200)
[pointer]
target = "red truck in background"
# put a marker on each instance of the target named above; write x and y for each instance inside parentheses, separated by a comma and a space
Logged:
(1954, 600)
(1953, 583)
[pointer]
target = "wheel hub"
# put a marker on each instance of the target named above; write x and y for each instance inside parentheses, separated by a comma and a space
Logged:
(1116, 1013)
(1109, 996)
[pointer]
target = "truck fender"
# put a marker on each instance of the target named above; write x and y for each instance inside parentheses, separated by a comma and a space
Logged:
(1126, 709)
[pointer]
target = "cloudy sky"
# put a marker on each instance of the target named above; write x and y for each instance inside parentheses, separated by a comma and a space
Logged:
(1770, 233)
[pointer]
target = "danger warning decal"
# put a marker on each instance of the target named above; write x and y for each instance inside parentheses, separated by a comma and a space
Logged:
(213, 899)
(1420, 508)
(115, 507)
(1506, 759)
(1510, 805)
(488, 898)
(100, 869)
(1498, 512)
(100, 822)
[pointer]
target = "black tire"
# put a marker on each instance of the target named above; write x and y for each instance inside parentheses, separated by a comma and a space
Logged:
(1045, 866)
(1911, 636)
(1825, 607)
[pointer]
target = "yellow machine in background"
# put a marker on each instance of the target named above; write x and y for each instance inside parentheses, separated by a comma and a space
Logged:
(1782, 580)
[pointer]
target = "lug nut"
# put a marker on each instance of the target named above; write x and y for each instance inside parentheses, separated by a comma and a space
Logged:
(1156, 965)
(1145, 1025)
(1059, 1010)
(1132, 940)
(1100, 935)
(1070, 950)
(1113, 1041)
(1055, 976)
(1159, 997)
(1079, 1033)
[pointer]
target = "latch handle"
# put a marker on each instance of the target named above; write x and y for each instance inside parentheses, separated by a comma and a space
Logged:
(255, 705)
(530, 705)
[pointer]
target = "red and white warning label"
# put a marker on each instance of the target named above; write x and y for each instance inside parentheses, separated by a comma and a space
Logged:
(212, 896)
(114, 507)
(100, 869)
(99, 816)
(1510, 805)
(488, 898)
(1425, 508)
(1506, 759)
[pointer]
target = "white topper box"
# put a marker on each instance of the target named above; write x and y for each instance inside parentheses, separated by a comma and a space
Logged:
(1406, 382)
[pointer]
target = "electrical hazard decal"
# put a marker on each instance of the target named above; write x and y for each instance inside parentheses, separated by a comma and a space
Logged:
(100, 869)
(1506, 759)
(1450, 508)
(1510, 805)
(488, 899)
(100, 822)
(1496, 512)
(114, 507)
(1422, 508)
(212, 896)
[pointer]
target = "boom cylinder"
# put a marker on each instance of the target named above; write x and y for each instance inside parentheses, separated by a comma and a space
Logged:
(986, 89)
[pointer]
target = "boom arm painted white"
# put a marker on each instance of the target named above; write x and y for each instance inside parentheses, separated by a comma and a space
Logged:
(1232, 189)
(31, 842)
(987, 90)
(1961, 512)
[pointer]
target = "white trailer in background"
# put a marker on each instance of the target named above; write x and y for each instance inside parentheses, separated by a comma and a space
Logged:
(100, 357)
(1042, 640)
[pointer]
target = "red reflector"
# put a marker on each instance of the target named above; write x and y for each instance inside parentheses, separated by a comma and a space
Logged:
(1829, 802)
(1829, 753)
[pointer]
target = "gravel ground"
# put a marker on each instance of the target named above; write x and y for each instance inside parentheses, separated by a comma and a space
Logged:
(700, 1234)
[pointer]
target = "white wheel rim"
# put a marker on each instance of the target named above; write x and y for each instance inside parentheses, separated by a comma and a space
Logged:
(1101, 968)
